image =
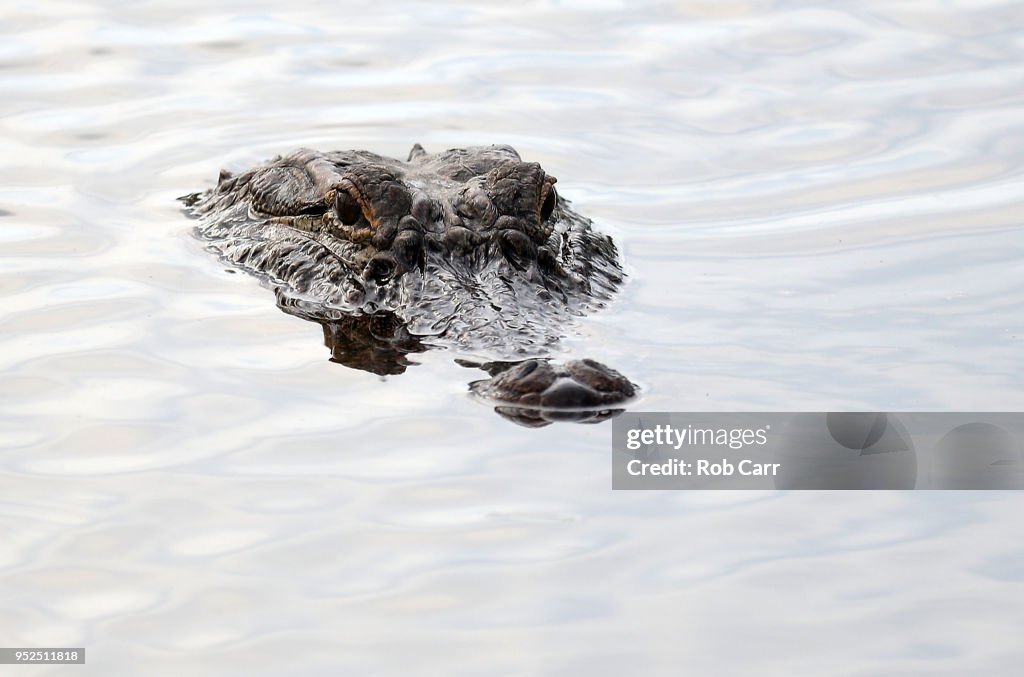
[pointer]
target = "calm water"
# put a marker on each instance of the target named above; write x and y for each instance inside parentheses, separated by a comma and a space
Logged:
(820, 208)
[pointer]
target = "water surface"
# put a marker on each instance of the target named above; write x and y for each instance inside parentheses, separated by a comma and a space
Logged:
(819, 207)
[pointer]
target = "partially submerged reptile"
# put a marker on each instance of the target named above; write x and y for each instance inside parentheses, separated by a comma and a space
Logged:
(471, 248)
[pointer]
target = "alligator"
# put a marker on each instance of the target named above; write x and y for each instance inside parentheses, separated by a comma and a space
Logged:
(470, 249)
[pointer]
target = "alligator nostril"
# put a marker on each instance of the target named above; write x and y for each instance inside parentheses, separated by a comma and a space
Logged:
(532, 376)
(526, 368)
(600, 377)
(380, 268)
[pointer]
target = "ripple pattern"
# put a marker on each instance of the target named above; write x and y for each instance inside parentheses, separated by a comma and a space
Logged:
(820, 206)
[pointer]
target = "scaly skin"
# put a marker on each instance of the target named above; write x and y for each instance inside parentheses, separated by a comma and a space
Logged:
(471, 248)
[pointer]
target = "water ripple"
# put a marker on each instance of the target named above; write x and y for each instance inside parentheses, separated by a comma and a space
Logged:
(819, 207)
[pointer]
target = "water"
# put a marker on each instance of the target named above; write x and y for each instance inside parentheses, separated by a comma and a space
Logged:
(819, 206)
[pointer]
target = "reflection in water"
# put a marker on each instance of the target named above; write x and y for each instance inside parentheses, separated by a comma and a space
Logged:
(377, 342)
(535, 392)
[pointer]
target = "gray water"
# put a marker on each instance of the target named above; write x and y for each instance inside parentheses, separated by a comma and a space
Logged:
(819, 206)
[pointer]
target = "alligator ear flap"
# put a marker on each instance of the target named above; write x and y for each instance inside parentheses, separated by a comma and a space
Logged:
(417, 153)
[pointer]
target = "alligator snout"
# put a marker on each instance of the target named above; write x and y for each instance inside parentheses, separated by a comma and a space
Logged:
(582, 384)
(536, 392)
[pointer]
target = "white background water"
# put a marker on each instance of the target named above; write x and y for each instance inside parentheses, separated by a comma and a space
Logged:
(820, 207)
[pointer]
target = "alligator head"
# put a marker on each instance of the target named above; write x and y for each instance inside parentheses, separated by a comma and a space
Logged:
(471, 248)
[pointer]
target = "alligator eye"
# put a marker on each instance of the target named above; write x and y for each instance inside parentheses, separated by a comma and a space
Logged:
(348, 209)
(548, 207)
